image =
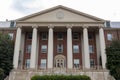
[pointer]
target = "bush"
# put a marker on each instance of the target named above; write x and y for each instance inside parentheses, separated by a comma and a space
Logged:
(1, 74)
(60, 77)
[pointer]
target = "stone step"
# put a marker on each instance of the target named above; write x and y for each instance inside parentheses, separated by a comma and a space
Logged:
(27, 74)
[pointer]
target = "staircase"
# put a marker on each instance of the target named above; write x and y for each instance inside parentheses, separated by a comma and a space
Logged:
(27, 74)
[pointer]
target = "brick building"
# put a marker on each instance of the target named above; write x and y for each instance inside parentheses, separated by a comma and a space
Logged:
(60, 40)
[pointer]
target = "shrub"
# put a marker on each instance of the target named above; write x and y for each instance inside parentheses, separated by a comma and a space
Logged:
(60, 77)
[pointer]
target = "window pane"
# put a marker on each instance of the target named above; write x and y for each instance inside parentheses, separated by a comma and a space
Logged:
(44, 48)
(27, 63)
(44, 36)
(76, 63)
(75, 48)
(75, 36)
(29, 35)
(109, 37)
(90, 36)
(43, 63)
(60, 36)
(11, 36)
(28, 49)
(60, 48)
(91, 49)
(92, 63)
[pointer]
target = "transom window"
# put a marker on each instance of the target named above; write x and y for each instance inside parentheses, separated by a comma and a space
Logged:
(109, 37)
(91, 49)
(92, 62)
(27, 63)
(75, 48)
(59, 36)
(44, 36)
(28, 48)
(76, 63)
(11, 36)
(60, 48)
(75, 36)
(29, 35)
(43, 48)
(43, 63)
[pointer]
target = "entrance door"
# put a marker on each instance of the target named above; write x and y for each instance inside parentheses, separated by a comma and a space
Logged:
(60, 61)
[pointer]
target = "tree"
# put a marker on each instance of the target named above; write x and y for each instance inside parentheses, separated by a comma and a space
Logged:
(113, 59)
(6, 54)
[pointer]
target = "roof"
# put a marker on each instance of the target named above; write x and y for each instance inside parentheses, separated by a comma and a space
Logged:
(115, 24)
(60, 7)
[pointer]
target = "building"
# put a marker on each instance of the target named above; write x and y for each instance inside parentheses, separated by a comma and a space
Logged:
(60, 40)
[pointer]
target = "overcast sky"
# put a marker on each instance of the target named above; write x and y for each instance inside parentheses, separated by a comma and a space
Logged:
(105, 9)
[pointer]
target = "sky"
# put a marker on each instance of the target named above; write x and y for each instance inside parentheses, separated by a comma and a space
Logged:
(105, 9)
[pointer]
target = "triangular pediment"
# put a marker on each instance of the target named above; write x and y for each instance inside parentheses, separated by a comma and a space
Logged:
(59, 14)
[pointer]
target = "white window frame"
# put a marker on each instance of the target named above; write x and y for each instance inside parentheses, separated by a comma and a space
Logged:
(27, 63)
(75, 48)
(28, 48)
(60, 48)
(92, 62)
(75, 35)
(43, 63)
(109, 37)
(11, 35)
(44, 34)
(91, 49)
(58, 38)
(43, 48)
(29, 34)
(76, 63)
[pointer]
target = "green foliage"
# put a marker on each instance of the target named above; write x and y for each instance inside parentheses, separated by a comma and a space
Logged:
(6, 53)
(113, 59)
(1, 74)
(60, 77)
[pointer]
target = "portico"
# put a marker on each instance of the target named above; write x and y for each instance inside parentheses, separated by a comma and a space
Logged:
(76, 36)
(50, 50)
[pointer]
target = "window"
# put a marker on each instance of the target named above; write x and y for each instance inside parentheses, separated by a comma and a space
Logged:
(60, 36)
(91, 49)
(27, 63)
(75, 36)
(109, 37)
(43, 48)
(43, 63)
(90, 36)
(92, 63)
(60, 48)
(29, 35)
(11, 36)
(28, 49)
(76, 63)
(75, 48)
(44, 36)
(12, 24)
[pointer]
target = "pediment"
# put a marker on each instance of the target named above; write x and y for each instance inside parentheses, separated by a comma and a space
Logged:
(59, 14)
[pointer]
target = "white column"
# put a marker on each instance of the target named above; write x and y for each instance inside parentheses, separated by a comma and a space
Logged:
(86, 48)
(69, 49)
(33, 48)
(50, 48)
(17, 48)
(102, 47)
